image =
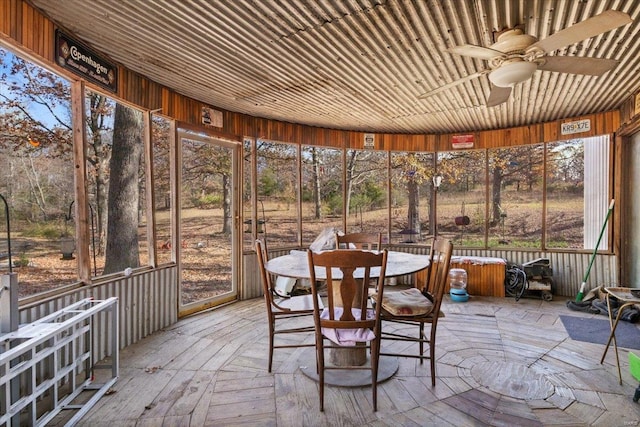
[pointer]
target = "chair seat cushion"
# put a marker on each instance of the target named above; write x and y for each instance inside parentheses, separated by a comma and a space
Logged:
(348, 337)
(298, 303)
(409, 302)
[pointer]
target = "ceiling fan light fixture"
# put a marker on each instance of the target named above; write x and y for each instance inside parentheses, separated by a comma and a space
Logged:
(512, 73)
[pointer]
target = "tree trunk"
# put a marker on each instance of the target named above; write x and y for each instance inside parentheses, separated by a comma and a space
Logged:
(413, 212)
(226, 204)
(99, 157)
(351, 165)
(316, 183)
(102, 184)
(496, 195)
(122, 223)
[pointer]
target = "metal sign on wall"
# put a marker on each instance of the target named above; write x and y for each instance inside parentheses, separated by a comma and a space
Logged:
(369, 141)
(462, 141)
(74, 56)
(578, 126)
(211, 117)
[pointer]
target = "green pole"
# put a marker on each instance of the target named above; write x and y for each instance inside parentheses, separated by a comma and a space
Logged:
(593, 256)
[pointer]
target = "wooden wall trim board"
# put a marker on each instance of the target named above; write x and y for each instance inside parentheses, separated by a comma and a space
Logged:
(80, 176)
(28, 31)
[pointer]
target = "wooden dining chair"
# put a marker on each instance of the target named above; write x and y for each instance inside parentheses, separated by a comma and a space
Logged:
(346, 323)
(416, 308)
(367, 241)
(279, 309)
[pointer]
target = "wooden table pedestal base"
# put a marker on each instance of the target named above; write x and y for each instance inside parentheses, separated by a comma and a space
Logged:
(353, 378)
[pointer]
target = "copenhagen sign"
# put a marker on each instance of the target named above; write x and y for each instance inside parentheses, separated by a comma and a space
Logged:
(74, 56)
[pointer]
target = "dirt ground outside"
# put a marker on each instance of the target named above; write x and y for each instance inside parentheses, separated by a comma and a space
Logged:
(206, 251)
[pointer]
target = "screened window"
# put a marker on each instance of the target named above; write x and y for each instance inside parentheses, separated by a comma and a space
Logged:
(366, 191)
(278, 178)
(36, 178)
(322, 191)
(515, 199)
(160, 128)
(411, 197)
(462, 197)
(247, 171)
(116, 184)
(577, 192)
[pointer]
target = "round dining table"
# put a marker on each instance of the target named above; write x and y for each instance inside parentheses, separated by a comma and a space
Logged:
(296, 265)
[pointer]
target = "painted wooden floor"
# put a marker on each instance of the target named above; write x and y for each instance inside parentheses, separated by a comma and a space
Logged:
(499, 363)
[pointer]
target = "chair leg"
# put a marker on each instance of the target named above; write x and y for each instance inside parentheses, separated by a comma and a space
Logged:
(432, 355)
(421, 341)
(271, 344)
(321, 374)
(375, 357)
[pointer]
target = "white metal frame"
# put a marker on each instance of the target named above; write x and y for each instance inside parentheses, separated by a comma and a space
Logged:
(46, 364)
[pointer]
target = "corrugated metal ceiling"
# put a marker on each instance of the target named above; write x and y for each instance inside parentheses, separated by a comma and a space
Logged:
(355, 64)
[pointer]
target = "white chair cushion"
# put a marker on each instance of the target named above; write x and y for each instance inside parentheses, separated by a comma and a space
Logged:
(348, 337)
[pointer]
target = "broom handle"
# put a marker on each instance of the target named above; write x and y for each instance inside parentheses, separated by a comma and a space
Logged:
(595, 250)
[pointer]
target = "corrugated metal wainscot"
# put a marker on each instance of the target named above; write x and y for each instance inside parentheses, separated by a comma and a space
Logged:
(568, 268)
(147, 302)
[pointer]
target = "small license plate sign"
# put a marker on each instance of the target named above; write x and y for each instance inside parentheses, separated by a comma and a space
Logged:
(578, 126)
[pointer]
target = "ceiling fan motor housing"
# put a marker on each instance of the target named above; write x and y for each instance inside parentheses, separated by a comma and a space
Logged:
(513, 41)
(512, 73)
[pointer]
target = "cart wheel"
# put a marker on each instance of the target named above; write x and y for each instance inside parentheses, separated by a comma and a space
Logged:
(637, 395)
(547, 296)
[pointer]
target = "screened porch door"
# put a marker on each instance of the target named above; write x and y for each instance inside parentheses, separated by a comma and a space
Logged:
(208, 253)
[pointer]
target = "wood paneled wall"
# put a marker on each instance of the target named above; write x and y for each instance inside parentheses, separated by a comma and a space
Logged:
(24, 28)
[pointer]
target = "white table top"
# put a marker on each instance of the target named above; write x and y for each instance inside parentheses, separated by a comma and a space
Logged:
(296, 265)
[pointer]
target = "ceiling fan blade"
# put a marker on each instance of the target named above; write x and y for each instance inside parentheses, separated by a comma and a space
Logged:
(475, 51)
(577, 65)
(453, 83)
(606, 21)
(498, 95)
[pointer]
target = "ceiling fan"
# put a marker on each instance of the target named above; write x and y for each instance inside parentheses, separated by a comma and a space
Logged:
(515, 56)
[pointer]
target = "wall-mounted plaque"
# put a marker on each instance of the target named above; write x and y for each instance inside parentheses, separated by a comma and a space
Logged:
(76, 57)
(369, 141)
(462, 141)
(211, 117)
(578, 126)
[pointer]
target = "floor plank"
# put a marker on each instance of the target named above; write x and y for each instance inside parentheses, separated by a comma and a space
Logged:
(210, 369)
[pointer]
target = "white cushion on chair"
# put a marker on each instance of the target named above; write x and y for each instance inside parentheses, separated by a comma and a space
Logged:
(410, 302)
(348, 337)
(284, 285)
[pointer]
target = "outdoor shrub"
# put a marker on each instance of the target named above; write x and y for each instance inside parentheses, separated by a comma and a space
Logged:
(333, 205)
(44, 230)
(209, 201)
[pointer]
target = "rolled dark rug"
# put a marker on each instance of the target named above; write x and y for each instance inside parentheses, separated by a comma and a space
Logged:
(584, 306)
(630, 314)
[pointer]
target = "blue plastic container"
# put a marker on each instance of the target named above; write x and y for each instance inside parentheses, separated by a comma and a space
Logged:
(459, 295)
